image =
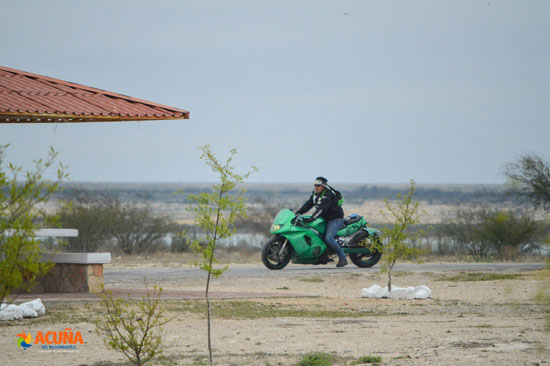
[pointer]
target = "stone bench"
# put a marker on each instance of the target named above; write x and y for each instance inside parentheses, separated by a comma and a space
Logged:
(72, 272)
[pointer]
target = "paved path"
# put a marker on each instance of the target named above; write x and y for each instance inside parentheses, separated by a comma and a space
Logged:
(259, 271)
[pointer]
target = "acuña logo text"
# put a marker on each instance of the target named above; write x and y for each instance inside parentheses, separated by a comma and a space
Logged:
(50, 338)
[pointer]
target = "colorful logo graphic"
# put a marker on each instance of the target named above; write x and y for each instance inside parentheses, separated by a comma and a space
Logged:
(24, 340)
(64, 339)
(61, 337)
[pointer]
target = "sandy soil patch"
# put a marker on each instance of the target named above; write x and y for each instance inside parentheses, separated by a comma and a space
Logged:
(483, 322)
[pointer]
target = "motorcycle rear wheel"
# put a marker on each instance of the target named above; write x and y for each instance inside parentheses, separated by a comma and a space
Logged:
(364, 260)
(270, 253)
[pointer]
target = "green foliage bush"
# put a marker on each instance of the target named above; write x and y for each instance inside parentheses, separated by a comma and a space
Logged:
(20, 217)
(369, 359)
(133, 327)
(508, 232)
(317, 359)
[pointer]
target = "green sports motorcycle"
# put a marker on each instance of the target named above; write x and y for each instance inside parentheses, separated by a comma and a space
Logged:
(303, 242)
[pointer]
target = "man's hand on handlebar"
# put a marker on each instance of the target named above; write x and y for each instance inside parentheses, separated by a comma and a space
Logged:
(296, 219)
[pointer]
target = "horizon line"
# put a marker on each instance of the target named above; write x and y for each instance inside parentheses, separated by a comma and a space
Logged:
(282, 183)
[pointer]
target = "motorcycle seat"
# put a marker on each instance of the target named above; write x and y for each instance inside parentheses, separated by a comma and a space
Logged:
(351, 219)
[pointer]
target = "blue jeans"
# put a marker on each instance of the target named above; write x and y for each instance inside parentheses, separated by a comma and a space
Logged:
(332, 228)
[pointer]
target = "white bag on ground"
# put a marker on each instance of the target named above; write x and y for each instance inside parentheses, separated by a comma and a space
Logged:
(33, 308)
(377, 292)
(30, 309)
(11, 312)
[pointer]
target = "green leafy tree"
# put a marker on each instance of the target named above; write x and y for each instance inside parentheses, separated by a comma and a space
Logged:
(135, 328)
(398, 236)
(215, 214)
(20, 217)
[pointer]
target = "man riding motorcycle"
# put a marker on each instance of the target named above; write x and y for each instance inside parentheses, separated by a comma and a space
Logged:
(325, 201)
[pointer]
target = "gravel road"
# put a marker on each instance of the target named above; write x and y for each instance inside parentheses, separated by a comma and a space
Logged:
(159, 274)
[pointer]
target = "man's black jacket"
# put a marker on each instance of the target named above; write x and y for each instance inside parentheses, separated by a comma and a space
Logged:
(326, 205)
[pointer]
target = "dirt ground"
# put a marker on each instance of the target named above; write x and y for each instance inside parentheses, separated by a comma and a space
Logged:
(466, 322)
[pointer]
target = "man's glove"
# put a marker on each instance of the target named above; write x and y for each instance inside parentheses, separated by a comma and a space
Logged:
(307, 220)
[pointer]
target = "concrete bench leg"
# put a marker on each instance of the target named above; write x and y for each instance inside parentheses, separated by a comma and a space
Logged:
(73, 272)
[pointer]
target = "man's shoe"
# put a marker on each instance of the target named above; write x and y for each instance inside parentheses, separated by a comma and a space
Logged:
(342, 262)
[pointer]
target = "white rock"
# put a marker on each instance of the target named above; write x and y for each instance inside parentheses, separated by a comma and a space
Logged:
(377, 292)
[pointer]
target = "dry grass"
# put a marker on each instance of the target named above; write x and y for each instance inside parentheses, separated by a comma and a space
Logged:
(169, 259)
(505, 324)
(480, 276)
(249, 255)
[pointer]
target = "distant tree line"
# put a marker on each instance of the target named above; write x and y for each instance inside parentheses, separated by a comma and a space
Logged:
(481, 233)
(293, 194)
(104, 221)
(505, 234)
(122, 219)
(431, 195)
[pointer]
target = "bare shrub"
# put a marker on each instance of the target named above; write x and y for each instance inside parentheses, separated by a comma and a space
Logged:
(482, 233)
(529, 178)
(92, 216)
(179, 244)
(132, 327)
(261, 212)
(136, 228)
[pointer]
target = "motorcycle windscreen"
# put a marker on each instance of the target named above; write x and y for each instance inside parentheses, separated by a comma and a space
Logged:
(284, 216)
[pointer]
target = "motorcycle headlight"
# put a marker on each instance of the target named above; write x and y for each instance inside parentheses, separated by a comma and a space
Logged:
(275, 227)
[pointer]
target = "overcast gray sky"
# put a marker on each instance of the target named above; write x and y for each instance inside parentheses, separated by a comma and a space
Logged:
(366, 91)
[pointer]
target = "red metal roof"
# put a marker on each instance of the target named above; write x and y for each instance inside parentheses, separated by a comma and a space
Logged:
(26, 97)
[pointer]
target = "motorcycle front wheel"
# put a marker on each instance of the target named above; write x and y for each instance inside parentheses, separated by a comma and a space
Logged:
(272, 256)
(364, 260)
